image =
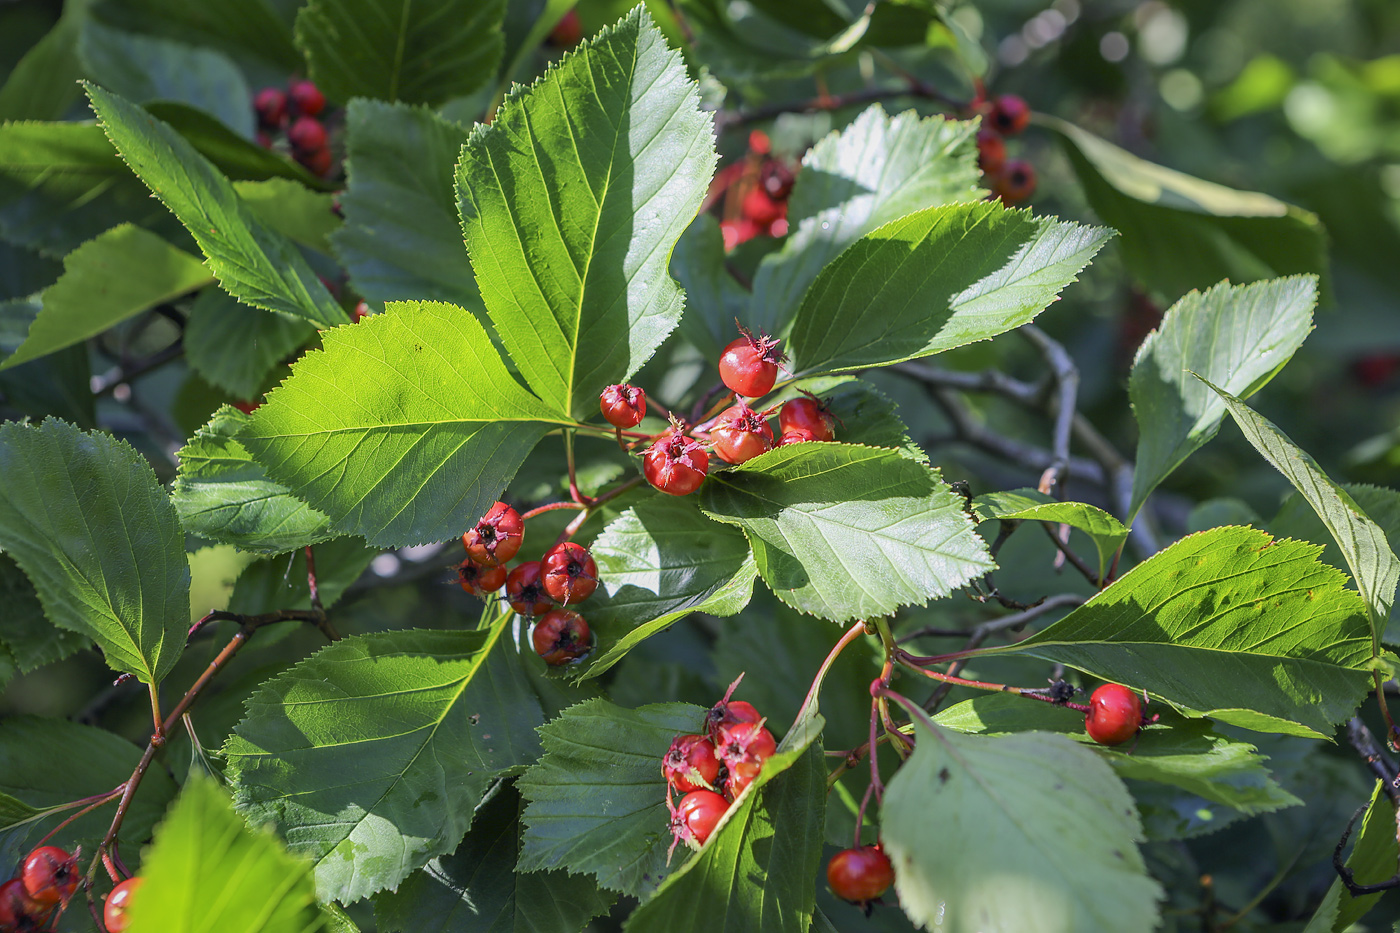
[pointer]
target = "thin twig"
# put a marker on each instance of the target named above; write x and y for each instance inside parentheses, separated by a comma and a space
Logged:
(1362, 739)
(1008, 623)
(1078, 562)
(1064, 401)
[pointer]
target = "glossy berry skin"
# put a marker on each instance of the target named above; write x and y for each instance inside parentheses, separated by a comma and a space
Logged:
(810, 415)
(740, 434)
(114, 914)
(568, 32)
(496, 538)
(19, 911)
(1010, 115)
(744, 747)
(1115, 715)
(307, 98)
(859, 875)
(569, 572)
(762, 208)
(991, 151)
(50, 875)
(270, 105)
(480, 580)
(730, 712)
(794, 437)
(699, 812)
(307, 134)
(676, 465)
(561, 636)
(525, 592)
(691, 764)
(1016, 182)
(623, 406)
(749, 365)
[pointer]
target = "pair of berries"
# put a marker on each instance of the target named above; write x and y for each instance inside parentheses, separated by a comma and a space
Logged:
(1114, 716)
(740, 433)
(307, 136)
(46, 882)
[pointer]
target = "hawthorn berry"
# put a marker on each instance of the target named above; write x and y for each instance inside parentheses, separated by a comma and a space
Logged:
(623, 405)
(697, 815)
(727, 712)
(50, 875)
(561, 636)
(749, 365)
(859, 875)
(568, 32)
(525, 592)
(1115, 715)
(744, 747)
(270, 104)
(809, 414)
(762, 208)
(569, 573)
(18, 911)
(307, 98)
(1010, 115)
(691, 764)
(795, 436)
(496, 538)
(776, 180)
(479, 579)
(740, 434)
(991, 151)
(1015, 182)
(676, 464)
(307, 135)
(114, 914)
(317, 162)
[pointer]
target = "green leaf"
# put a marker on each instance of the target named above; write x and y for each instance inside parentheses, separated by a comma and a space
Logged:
(658, 562)
(477, 888)
(864, 414)
(571, 202)
(1180, 232)
(597, 800)
(934, 280)
(1373, 564)
(1184, 753)
(404, 429)
(84, 517)
(877, 169)
(1372, 859)
(252, 261)
(123, 272)
(235, 346)
(1106, 531)
(1046, 837)
(304, 216)
(207, 870)
(847, 532)
(31, 640)
(256, 29)
(42, 84)
(370, 755)
(281, 582)
(1228, 623)
(222, 494)
(14, 812)
(419, 53)
(238, 157)
(1239, 336)
(402, 238)
(714, 299)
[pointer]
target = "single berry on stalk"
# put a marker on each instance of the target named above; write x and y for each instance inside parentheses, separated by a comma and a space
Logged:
(859, 875)
(479, 579)
(691, 764)
(496, 538)
(114, 914)
(525, 591)
(676, 464)
(1015, 182)
(697, 815)
(307, 134)
(307, 98)
(740, 434)
(808, 413)
(19, 911)
(561, 636)
(623, 405)
(50, 875)
(569, 573)
(749, 365)
(1115, 715)
(1010, 115)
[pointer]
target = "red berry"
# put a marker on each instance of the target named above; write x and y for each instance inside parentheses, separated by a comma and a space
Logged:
(247, 406)
(50, 875)
(307, 98)
(762, 208)
(741, 434)
(1010, 115)
(794, 437)
(675, 464)
(691, 764)
(525, 592)
(496, 538)
(727, 712)
(759, 143)
(1115, 714)
(623, 405)
(479, 579)
(859, 875)
(568, 33)
(776, 180)
(360, 313)
(271, 107)
(809, 414)
(991, 151)
(744, 747)
(114, 915)
(19, 911)
(738, 230)
(561, 636)
(697, 815)
(569, 573)
(749, 365)
(318, 162)
(264, 139)
(1015, 182)
(307, 135)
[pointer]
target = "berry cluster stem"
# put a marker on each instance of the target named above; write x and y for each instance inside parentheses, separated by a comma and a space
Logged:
(1033, 693)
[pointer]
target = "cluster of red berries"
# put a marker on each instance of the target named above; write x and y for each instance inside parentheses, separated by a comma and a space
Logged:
(566, 575)
(753, 193)
(677, 463)
(295, 111)
(1012, 180)
(710, 770)
(34, 899)
(1114, 716)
